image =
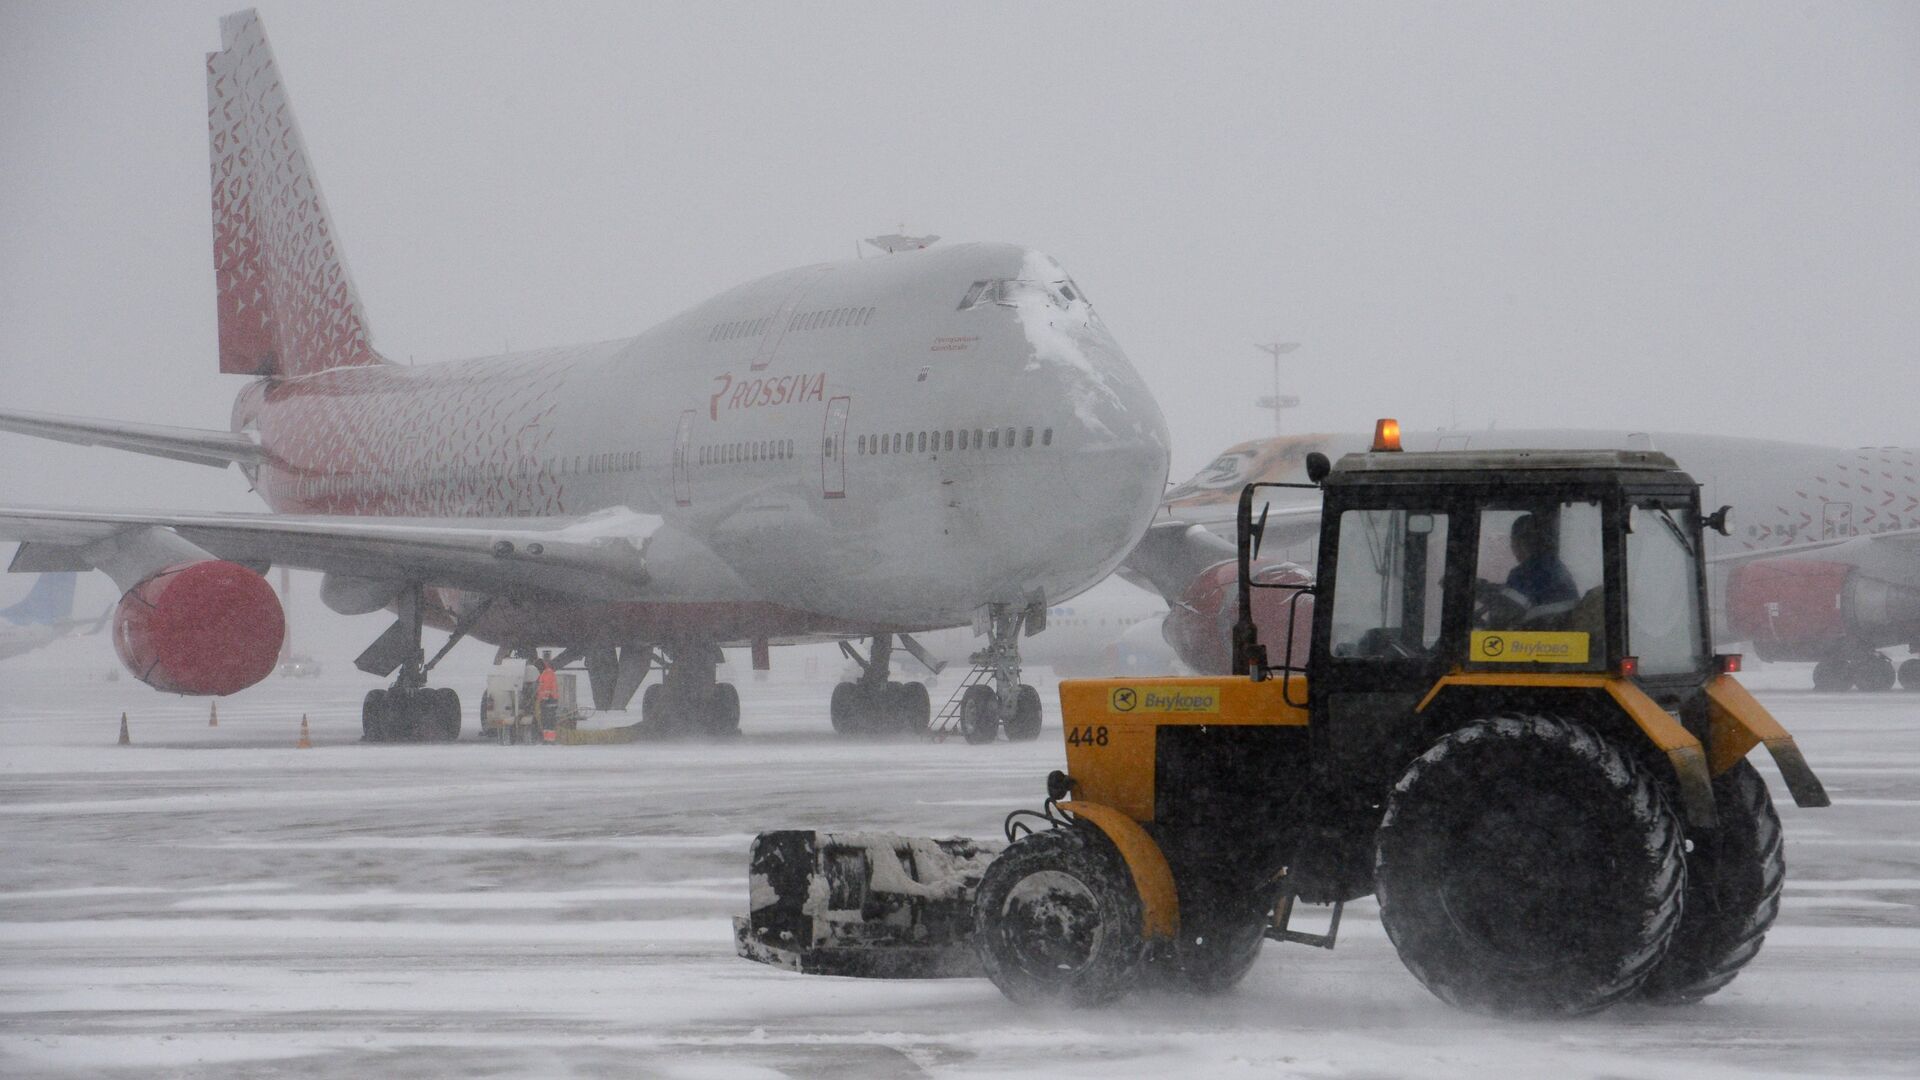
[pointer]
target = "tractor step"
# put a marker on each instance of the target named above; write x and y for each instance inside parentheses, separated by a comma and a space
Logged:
(1282, 931)
(871, 905)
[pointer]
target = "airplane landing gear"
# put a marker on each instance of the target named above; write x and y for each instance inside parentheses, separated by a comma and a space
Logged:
(420, 714)
(1008, 705)
(410, 710)
(689, 700)
(874, 705)
(1868, 669)
(1873, 671)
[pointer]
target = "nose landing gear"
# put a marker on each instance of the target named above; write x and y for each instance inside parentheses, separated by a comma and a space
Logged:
(981, 711)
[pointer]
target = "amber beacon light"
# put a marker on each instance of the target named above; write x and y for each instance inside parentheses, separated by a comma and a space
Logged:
(1386, 434)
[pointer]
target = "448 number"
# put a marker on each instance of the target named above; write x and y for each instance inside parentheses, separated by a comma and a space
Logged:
(1090, 735)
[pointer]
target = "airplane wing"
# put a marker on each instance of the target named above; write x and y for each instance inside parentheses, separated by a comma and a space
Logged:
(1176, 550)
(598, 555)
(200, 446)
(1287, 523)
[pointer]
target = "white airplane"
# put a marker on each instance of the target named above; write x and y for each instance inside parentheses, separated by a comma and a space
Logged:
(1821, 562)
(42, 617)
(861, 449)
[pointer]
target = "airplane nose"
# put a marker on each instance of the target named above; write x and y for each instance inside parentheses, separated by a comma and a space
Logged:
(1115, 452)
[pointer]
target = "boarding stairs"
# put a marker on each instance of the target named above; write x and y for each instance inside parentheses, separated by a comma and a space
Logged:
(946, 722)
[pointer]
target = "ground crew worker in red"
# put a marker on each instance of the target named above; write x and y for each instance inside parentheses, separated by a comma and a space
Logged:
(547, 696)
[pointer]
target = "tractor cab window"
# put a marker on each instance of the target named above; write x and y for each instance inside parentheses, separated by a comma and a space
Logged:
(1538, 594)
(1390, 568)
(1663, 606)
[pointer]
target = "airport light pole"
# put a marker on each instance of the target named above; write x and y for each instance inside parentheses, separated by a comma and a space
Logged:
(1277, 401)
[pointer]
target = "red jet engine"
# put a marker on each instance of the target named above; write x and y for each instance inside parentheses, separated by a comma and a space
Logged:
(203, 628)
(1199, 626)
(1810, 609)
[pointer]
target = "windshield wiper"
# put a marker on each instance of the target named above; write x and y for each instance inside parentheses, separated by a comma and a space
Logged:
(1666, 518)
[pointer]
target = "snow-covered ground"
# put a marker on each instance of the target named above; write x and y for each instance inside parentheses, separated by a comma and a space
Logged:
(213, 901)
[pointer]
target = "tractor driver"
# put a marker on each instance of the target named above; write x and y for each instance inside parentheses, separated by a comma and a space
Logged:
(1539, 583)
(1540, 576)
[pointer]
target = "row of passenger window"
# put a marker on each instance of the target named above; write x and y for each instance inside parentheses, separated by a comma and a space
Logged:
(727, 331)
(600, 463)
(736, 452)
(817, 320)
(932, 442)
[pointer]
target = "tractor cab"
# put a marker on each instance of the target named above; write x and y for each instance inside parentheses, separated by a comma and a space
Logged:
(1489, 581)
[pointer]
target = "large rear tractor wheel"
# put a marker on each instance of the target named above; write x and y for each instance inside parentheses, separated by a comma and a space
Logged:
(979, 714)
(1056, 920)
(1527, 866)
(1024, 724)
(1734, 876)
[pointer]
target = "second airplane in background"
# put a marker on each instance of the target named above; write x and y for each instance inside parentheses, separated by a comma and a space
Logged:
(1820, 562)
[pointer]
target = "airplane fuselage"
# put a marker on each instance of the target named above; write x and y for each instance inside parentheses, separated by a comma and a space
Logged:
(876, 444)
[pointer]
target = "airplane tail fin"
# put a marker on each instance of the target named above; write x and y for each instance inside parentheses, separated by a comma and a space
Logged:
(287, 307)
(50, 601)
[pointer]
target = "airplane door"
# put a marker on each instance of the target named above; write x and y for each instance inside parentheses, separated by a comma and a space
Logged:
(833, 450)
(1837, 520)
(682, 440)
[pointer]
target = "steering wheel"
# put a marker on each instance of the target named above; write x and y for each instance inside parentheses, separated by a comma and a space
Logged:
(1385, 644)
(1494, 606)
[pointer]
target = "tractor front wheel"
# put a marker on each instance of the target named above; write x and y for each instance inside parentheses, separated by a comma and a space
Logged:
(1734, 874)
(1527, 866)
(1057, 921)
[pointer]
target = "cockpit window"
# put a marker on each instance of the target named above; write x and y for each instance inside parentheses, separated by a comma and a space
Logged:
(1011, 292)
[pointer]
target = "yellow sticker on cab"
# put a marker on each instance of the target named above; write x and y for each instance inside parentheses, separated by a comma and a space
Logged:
(1528, 647)
(1160, 699)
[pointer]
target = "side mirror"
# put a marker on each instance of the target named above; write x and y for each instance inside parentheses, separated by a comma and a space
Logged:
(1717, 521)
(1318, 466)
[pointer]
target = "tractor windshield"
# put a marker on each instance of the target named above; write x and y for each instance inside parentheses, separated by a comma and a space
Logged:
(1538, 591)
(1390, 565)
(1663, 607)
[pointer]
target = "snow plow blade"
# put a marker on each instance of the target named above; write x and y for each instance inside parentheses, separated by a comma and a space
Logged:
(870, 905)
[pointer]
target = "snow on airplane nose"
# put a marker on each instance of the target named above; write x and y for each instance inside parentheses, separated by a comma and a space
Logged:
(1111, 439)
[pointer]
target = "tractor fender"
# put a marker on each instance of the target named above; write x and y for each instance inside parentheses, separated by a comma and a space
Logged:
(1739, 723)
(1684, 753)
(1152, 877)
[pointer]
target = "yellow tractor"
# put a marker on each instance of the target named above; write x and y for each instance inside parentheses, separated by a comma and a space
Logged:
(1508, 725)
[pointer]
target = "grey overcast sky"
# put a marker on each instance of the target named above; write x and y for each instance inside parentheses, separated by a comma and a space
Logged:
(1646, 216)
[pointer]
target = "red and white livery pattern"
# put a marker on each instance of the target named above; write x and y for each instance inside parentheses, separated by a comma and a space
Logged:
(286, 304)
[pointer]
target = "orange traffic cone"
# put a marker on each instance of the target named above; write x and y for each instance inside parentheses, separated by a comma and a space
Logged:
(124, 741)
(305, 743)
(213, 714)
